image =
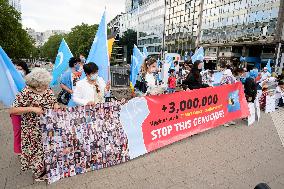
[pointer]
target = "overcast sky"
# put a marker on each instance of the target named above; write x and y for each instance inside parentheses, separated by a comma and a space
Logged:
(44, 15)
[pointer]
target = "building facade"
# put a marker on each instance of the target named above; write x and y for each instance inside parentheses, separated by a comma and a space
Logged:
(182, 25)
(16, 4)
(146, 17)
(248, 28)
(42, 37)
(151, 26)
(114, 24)
(227, 29)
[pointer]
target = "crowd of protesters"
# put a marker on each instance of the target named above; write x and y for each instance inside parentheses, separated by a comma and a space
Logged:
(79, 89)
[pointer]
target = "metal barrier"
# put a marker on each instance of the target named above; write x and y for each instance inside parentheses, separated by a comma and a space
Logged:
(119, 76)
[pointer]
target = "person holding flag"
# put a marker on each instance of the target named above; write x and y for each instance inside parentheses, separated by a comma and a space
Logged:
(12, 82)
(61, 62)
(22, 67)
(68, 82)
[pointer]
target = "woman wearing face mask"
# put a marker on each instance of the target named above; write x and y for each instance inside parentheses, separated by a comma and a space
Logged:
(92, 89)
(22, 67)
(194, 79)
(32, 101)
(70, 78)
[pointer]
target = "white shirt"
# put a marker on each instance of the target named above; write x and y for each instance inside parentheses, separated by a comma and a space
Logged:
(150, 79)
(165, 72)
(86, 92)
(264, 75)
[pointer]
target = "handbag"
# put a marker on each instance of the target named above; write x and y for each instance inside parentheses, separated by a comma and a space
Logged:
(64, 97)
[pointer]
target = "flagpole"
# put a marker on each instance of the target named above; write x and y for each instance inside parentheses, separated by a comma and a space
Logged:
(138, 12)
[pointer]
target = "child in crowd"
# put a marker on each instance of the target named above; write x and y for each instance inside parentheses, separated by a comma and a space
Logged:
(280, 94)
(262, 100)
(172, 81)
(210, 78)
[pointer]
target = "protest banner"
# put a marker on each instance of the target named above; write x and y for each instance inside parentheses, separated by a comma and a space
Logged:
(81, 139)
(152, 122)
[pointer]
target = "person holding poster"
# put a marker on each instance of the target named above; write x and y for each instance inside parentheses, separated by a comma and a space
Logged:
(30, 103)
(228, 78)
(262, 99)
(92, 89)
(70, 78)
(280, 94)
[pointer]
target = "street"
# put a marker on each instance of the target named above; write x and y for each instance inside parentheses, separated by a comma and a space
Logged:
(226, 157)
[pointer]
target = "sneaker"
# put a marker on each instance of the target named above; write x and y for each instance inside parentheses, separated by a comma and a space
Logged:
(41, 179)
(226, 125)
(232, 123)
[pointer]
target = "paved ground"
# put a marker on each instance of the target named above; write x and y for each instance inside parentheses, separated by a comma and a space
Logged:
(235, 157)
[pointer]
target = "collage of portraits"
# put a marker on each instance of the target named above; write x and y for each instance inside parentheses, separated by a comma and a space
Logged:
(84, 138)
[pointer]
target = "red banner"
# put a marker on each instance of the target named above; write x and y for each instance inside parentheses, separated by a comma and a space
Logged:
(176, 116)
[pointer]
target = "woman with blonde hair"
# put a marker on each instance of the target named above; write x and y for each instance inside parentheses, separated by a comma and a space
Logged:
(31, 102)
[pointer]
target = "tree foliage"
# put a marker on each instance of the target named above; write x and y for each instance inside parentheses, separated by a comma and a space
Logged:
(49, 50)
(13, 39)
(80, 39)
(128, 39)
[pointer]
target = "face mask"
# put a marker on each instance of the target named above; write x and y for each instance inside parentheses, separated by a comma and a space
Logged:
(94, 77)
(77, 67)
(21, 72)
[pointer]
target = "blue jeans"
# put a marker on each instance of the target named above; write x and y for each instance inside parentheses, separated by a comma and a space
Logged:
(171, 90)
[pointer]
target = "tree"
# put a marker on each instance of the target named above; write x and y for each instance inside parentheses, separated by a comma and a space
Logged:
(80, 39)
(128, 39)
(49, 50)
(13, 39)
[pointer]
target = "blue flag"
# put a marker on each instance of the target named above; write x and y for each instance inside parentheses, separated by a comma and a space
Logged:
(99, 50)
(61, 62)
(11, 81)
(268, 66)
(145, 52)
(198, 55)
(137, 60)
(242, 59)
(169, 60)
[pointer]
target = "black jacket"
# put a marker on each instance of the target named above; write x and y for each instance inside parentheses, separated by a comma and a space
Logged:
(250, 89)
(194, 80)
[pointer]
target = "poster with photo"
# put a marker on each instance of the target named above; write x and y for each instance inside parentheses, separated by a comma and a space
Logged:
(257, 107)
(270, 104)
(251, 117)
(81, 139)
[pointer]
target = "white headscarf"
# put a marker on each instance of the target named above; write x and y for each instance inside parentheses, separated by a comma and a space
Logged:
(228, 72)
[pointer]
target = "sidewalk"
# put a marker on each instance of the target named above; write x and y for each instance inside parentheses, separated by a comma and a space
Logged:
(225, 157)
